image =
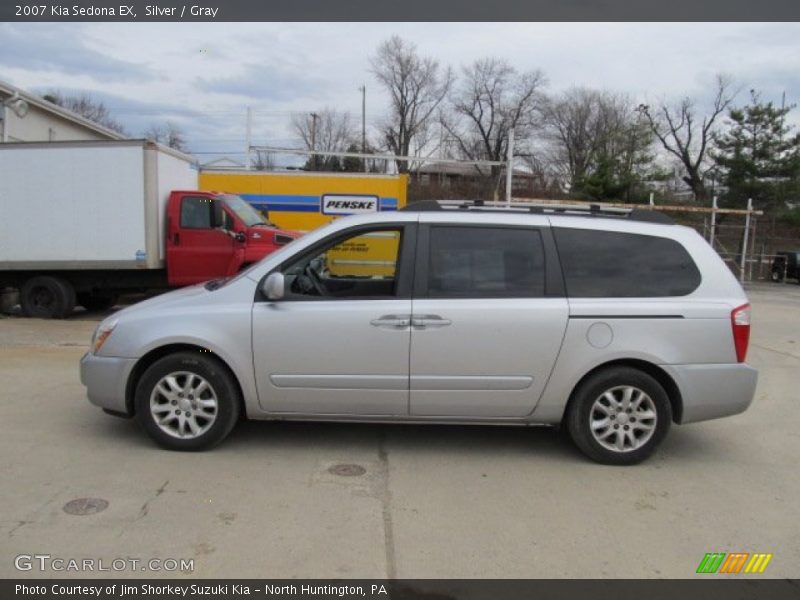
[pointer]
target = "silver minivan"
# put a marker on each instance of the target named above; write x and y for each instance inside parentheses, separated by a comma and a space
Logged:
(612, 324)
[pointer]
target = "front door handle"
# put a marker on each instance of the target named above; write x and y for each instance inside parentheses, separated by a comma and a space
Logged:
(392, 321)
(430, 321)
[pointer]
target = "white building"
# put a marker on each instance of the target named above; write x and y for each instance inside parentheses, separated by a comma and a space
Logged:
(25, 117)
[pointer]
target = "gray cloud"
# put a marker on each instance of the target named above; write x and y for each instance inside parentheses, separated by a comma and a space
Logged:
(52, 47)
(266, 83)
(204, 75)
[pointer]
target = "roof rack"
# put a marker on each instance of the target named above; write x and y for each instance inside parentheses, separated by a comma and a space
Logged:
(566, 209)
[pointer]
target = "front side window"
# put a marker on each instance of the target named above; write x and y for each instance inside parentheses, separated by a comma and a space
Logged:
(359, 266)
(485, 262)
(196, 212)
(609, 264)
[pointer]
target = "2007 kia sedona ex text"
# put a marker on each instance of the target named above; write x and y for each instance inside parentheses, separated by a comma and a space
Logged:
(611, 323)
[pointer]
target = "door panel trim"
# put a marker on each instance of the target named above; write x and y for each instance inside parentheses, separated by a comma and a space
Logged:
(470, 382)
(341, 382)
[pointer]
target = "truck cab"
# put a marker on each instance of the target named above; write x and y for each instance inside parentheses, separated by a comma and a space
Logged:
(212, 235)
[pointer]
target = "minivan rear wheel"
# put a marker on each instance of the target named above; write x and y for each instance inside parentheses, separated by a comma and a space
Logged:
(187, 401)
(618, 416)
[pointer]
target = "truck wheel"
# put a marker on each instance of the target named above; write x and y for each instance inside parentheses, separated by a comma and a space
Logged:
(618, 416)
(777, 276)
(96, 302)
(47, 297)
(187, 401)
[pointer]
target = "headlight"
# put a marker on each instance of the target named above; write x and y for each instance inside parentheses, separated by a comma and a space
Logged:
(102, 333)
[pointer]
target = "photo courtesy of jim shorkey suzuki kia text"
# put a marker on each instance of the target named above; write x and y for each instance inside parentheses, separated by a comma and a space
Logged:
(123, 590)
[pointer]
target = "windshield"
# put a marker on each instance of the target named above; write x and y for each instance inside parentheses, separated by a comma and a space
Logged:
(249, 215)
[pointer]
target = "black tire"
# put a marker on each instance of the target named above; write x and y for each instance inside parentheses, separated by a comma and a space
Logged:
(223, 387)
(777, 276)
(614, 380)
(97, 302)
(47, 297)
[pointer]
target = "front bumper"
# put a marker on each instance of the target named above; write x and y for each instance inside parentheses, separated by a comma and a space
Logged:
(713, 391)
(106, 378)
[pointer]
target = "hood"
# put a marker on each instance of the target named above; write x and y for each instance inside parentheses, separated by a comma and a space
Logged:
(164, 299)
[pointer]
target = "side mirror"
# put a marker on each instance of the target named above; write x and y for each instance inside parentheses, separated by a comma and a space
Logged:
(240, 237)
(273, 286)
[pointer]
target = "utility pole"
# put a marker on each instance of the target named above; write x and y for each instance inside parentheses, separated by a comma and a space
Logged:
(363, 90)
(314, 117)
(248, 137)
(509, 165)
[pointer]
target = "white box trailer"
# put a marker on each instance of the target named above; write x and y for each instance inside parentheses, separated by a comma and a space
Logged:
(90, 216)
(87, 205)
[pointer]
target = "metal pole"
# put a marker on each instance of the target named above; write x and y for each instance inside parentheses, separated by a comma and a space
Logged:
(509, 165)
(752, 249)
(376, 156)
(652, 203)
(314, 138)
(713, 221)
(744, 241)
(248, 136)
(363, 89)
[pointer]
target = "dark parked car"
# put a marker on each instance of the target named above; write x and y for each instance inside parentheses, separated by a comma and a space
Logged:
(785, 265)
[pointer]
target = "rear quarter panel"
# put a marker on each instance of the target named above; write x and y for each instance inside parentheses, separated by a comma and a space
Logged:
(689, 330)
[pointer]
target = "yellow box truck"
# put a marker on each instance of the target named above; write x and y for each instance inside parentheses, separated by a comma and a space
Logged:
(302, 201)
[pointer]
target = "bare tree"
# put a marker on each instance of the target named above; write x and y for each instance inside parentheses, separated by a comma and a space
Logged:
(687, 135)
(86, 107)
(416, 86)
(493, 99)
(570, 124)
(327, 130)
(598, 143)
(168, 134)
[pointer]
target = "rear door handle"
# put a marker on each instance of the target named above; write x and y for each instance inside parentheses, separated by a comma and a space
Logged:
(430, 321)
(392, 321)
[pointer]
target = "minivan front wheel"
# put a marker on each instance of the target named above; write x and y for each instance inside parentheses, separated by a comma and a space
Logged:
(618, 416)
(187, 401)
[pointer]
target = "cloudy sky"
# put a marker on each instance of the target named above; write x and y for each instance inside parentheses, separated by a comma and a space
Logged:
(204, 75)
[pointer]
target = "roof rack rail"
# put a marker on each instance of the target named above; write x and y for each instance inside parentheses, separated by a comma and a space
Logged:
(565, 209)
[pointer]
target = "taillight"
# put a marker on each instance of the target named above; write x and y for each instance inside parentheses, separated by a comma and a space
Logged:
(740, 323)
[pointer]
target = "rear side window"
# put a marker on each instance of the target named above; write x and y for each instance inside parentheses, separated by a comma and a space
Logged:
(485, 262)
(608, 264)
